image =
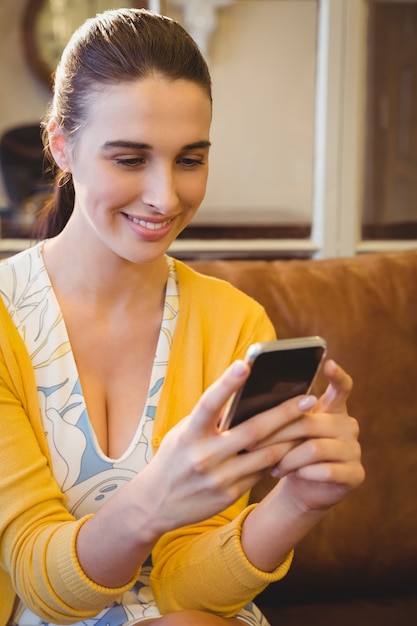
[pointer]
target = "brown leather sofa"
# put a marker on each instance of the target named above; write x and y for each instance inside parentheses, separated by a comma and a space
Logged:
(359, 566)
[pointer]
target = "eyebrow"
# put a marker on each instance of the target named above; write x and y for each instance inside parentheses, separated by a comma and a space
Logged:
(137, 145)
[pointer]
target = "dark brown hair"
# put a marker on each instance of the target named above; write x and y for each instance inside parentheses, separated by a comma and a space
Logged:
(116, 46)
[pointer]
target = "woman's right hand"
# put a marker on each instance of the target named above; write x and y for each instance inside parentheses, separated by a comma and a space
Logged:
(198, 471)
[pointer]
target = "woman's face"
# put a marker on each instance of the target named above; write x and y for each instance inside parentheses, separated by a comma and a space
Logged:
(139, 165)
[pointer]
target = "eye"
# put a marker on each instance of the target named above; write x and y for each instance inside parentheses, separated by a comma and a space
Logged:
(191, 162)
(130, 161)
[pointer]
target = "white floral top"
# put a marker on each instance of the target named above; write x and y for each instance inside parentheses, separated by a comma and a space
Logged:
(87, 477)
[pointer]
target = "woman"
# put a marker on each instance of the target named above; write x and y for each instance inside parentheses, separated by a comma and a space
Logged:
(121, 500)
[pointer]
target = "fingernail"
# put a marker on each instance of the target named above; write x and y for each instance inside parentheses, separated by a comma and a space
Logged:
(307, 403)
(333, 364)
(239, 368)
(275, 471)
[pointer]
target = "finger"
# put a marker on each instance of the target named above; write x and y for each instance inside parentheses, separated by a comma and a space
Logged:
(205, 415)
(325, 452)
(348, 475)
(340, 385)
(251, 434)
(253, 465)
(315, 425)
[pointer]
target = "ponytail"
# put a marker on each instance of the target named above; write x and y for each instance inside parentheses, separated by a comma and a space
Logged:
(57, 210)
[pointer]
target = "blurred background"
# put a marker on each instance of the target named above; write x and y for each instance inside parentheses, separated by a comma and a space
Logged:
(314, 129)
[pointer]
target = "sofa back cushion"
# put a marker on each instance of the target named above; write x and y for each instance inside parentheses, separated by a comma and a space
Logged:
(366, 309)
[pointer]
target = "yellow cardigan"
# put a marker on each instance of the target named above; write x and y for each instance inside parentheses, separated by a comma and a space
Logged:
(198, 567)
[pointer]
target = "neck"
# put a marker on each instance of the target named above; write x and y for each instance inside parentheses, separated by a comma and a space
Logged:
(100, 276)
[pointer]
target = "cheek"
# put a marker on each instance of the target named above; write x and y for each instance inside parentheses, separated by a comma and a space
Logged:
(99, 191)
(196, 190)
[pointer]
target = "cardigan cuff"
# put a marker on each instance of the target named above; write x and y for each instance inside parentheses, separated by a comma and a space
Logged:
(238, 563)
(71, 584)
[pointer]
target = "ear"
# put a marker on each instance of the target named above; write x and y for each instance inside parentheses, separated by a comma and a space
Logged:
(58, 144)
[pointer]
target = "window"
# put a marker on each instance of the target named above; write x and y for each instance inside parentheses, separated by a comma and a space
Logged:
(314, 131)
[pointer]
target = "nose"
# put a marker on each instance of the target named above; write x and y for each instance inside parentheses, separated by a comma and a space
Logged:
(160, 189)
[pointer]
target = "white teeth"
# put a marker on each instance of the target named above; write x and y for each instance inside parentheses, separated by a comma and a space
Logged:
(149, 225)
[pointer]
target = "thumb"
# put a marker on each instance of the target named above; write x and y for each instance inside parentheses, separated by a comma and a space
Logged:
(335, 396)
(206, 413)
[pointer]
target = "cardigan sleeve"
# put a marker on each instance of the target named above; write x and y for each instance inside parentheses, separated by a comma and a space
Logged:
(206, 569)
(203, 566)
(37, 533)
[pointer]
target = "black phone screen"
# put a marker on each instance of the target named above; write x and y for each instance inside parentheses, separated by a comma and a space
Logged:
(276, 376)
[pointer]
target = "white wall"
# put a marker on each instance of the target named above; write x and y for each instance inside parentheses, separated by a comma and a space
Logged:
(263, 68)
(263, 61)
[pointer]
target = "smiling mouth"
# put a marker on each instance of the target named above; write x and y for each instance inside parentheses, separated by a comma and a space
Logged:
(149, 225)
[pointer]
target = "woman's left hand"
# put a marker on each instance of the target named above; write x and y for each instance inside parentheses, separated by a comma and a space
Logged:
(325, 464)
(320, 464)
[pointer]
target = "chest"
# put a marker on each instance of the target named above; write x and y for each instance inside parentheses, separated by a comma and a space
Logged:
(104, 362)
(119, 356)
(115, 364)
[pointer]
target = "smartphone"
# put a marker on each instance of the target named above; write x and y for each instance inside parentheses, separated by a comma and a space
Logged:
(280, 370)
